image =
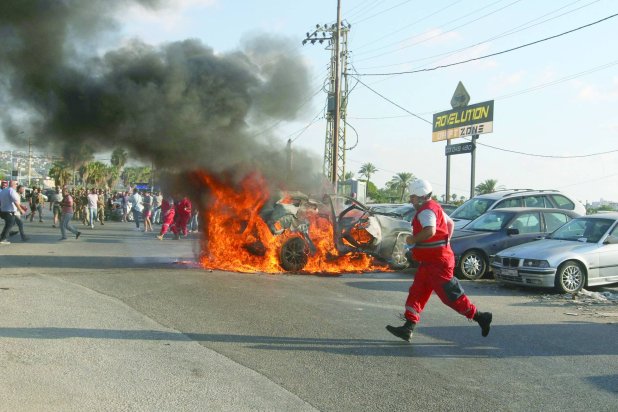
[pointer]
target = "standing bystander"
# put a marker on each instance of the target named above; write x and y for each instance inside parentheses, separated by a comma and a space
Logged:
(93, 200)
(67, 215)
(138, 206)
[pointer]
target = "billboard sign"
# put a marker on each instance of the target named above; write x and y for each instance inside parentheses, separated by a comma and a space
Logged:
(463, 121)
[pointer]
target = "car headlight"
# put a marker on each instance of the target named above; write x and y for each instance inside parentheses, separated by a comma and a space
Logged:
(535, 263)
(496, 259)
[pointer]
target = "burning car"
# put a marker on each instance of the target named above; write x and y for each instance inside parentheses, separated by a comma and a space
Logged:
(355, 229)
(250, 227)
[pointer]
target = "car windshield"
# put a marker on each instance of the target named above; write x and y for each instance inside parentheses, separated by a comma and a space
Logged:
(589, 229)
(406, 212)
(490, 222)
(472, 209)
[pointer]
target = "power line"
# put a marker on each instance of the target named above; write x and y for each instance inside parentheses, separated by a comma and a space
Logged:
(513, 30)
(383, 11)
(424, 39)
(392, 102)
(486, 145)
(544, 156)
(407, 26)
(513, 94)
(489, 55)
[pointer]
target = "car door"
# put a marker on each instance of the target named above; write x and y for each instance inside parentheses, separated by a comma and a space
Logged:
(529, 226)
(608, 257)
(553, 220)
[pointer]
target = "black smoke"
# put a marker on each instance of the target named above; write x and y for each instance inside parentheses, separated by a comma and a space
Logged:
(181, 105)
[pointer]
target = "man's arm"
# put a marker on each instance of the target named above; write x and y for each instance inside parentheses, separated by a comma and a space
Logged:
(426, 233)
(450, 224)
(18, 205)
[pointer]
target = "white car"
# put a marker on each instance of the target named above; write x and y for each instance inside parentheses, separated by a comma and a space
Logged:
(473, 208)
(582, 253)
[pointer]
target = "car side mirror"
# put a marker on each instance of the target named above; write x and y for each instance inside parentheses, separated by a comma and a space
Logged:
(512, 231)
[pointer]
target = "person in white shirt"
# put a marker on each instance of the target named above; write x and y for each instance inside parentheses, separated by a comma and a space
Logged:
(93, 199)
(138, 206)
(9, 205)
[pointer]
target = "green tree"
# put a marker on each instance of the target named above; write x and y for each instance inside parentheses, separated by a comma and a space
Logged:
(132, 175)
(61, 172)
(400, 183)
(76, 156)
(112, 176)
(119, 158)
(348, 175)
(96, 174)
(367, 170)
(454, 197)
(488, 186)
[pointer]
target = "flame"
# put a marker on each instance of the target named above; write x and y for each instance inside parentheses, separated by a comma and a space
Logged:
(237, 239)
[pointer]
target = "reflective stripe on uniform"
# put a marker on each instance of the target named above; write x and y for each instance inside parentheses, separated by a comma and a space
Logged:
(432, 244)
(409, 309)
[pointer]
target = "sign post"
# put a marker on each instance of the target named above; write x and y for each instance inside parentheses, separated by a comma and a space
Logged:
(460, 99)
(462, 121)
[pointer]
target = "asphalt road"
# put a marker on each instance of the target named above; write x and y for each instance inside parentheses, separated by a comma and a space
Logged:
(118, 320)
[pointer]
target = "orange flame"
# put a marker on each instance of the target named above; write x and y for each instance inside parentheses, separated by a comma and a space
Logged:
(237, 239)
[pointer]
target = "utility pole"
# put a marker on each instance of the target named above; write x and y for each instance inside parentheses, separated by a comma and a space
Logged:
(336, 36)
(29, 160)
(337, 114)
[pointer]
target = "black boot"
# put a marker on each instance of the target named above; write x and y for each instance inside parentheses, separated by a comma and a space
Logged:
(404, 332)
(484, 320)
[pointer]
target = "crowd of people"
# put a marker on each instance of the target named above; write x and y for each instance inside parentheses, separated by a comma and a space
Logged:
(94, 206)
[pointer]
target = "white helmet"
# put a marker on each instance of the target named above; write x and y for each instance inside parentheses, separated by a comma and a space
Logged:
(420, 187)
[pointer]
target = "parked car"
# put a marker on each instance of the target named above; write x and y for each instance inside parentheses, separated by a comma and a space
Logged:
(582, 253)
(356, 229)
(384, 207)
(499, 229)
(448, 208)
(473, 208)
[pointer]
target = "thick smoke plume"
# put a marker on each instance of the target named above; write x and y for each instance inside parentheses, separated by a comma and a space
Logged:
(180, 105)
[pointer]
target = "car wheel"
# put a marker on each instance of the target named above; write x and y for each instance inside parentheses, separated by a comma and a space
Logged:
(570, 277)
(294, 255)
(399, 258)
(473, 265)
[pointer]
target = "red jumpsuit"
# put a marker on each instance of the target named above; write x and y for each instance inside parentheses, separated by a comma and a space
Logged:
(168, 212)
(435, 272)
(183, 215)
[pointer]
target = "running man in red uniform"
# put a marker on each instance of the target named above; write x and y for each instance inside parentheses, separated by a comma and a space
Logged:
(431, 232)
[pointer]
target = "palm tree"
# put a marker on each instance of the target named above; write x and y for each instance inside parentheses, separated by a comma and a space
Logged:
(367, 170)
(400, 182)
(119, 158)
(488, 186)
(61, 172)
(95, 173)
(348, 175)
(112, 176)
(78, 156)
(132, 175)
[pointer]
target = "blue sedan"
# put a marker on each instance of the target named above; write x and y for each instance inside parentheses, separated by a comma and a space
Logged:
(499, 229)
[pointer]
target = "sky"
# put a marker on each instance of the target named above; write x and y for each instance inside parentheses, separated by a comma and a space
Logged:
(554, 102)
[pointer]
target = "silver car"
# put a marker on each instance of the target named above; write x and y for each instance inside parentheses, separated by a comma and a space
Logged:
(582, 253)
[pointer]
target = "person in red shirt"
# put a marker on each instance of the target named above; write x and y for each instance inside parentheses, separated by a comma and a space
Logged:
(183, 215)
(168, 212)
(431, 232)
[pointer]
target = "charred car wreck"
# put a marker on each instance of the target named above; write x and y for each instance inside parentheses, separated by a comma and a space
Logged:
(356, 229)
